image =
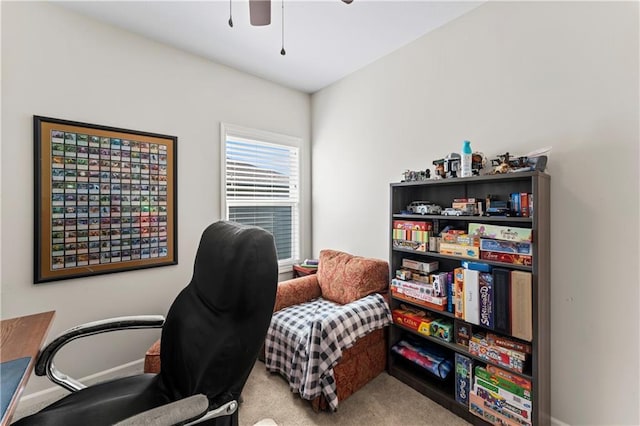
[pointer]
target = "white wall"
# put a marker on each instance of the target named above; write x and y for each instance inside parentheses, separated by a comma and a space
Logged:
(58, 64)
(512, 77)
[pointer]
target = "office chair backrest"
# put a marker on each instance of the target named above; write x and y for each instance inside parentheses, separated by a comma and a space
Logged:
(217, 324)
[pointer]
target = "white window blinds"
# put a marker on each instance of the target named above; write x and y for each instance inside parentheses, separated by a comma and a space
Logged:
(261, 187)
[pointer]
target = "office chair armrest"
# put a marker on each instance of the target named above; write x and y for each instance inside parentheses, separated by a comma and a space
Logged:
(178, 412)
(187, 411)
(224, 410)
(44, 364)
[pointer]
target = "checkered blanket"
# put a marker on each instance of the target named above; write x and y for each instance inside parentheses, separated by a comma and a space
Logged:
(305, 341)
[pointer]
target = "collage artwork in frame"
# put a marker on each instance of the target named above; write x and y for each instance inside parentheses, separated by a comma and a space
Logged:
(105, 199)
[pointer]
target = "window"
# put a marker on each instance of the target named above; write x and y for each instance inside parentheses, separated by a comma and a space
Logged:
(260, 185)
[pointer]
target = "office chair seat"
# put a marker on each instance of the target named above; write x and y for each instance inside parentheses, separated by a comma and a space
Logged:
(102, 404)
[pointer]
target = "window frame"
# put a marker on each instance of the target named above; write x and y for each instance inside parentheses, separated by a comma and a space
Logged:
(233, 130)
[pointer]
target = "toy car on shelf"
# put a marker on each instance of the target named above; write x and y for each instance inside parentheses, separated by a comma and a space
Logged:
(450, 211)
(423, 207)
(498, 211)
(498, 208)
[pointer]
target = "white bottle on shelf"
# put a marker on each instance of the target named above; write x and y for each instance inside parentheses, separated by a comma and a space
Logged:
(465, 160)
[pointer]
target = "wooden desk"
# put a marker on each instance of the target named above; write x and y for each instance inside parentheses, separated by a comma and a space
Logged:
(22, 337)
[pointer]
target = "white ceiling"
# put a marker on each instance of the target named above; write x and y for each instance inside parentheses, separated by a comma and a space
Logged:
(324, 40)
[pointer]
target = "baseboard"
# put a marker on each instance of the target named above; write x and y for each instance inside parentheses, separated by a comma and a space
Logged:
(56, 392)
(556, 422)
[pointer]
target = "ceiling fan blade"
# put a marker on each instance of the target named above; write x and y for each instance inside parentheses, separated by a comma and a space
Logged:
(260, 12)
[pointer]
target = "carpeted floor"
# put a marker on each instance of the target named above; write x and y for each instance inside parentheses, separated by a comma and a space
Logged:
(383, 401)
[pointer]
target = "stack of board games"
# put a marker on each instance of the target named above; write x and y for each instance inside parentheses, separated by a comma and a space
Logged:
(500, 397)
(411, 235)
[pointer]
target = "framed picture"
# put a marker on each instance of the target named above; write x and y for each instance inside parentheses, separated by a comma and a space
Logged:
(105, 199)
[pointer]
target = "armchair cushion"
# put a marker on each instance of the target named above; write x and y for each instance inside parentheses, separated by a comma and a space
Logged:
(343, 277)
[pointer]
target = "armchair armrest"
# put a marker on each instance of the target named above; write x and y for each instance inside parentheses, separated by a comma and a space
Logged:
(44, 363)
(296, 291)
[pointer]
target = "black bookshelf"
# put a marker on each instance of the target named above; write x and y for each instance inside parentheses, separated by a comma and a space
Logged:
(443, 192)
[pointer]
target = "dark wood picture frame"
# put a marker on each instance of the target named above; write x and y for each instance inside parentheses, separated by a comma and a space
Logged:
(105, 199)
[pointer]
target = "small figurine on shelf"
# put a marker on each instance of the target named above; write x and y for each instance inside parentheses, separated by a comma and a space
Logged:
(501, 164)
(452, 164)
(507, 163)
(447, 167)
(412, 176)
(438, 171)
(478, 162)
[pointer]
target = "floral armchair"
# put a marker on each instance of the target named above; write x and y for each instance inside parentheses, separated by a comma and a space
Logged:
(341, 279)
(345, 287)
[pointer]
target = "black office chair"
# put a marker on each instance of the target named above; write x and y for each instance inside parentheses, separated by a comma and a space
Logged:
(210, 341)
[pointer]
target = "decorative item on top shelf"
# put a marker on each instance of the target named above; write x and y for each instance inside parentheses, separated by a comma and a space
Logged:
(414, 176)
(450, 166)
(507, 163)
(478, 163)
(447, 167)
(465, 159)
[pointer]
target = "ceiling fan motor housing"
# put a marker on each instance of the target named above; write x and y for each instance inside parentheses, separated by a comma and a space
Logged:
(260, 12)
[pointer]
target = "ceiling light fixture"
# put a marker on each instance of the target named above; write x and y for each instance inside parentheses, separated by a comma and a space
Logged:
(260, 12)
(260, 15)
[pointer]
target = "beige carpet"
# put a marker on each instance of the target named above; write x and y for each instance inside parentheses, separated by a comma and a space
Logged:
(383, 401)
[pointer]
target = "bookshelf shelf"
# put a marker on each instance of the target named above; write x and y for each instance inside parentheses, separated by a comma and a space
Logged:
(487, 219)
(460, 349)
(443, 192)
(445, 256)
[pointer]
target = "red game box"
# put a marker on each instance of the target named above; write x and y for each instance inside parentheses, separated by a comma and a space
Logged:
(515, 259)
(416, 321)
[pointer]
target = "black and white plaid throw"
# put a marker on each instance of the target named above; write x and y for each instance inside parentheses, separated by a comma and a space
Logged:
(305, 341)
